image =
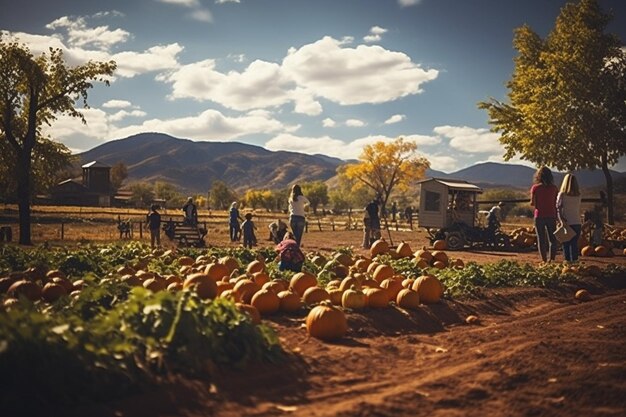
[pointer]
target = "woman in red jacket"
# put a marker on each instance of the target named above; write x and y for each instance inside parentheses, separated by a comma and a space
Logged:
(543, 198)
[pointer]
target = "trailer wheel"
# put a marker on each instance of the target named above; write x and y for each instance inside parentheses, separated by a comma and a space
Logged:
(455, 240)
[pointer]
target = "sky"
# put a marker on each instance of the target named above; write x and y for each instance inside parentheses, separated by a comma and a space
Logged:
(312, 76)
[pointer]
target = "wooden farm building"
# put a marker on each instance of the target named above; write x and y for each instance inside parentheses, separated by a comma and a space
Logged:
(94, 190)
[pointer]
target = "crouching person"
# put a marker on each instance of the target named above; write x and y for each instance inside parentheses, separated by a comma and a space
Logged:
(290, 257)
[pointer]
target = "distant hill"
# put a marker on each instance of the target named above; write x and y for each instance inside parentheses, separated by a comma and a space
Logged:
(194, 165)
(492, 174)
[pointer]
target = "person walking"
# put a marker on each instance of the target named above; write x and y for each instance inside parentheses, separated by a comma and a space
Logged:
(247, 228)
(233, 222)
(297, 219)
(543, 198)
(153, 220)
(568, 209)
(371, 223)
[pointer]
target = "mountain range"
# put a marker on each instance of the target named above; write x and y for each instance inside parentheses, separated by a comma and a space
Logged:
(194, 165)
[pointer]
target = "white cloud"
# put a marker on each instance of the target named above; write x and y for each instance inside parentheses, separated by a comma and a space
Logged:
(237, 57)
(156, 58)
(80, 35)
(260, 85)
(406, 3)
(210, 125)
(355, 123)
(325, 69)
(328, 122)
(117, 104)
(422, 140)
(365, 74)
(226, 1)
(122, 114)
(185, 3)
(471, 140)
(375, 34)
(396, 118)
(201, 15)
(442, 162)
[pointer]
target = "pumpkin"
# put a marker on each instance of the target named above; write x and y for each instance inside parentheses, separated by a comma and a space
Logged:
(404, 250)
(408, 299)
(245, 289)
(326, 323)
(335, 296)
(52, 292)
(275, 285)
(223, 286)
(175, 287)
(172, 278)
(408, 282)
(255, 266)
(422, 263)
(587, 251)
(354, 299)
(261, 278)
(230, 295)
(315, 295)
(336, 268)
(266, 301)
(250, 311)
(144, 275)
(439, 265)
(231, 263)
(289, 301)
(301, 281)
(55, 273)
(372, 267)
(424, 254)
(5, 283)
(217, 271)
(458, 263)
(64, 282)
(601, 250)
(370, 283)
(393, 287)
(154, 284)
(472, 319)
(383, 272)
(582, 295)
(362, 264)
(131, 280)
(440, 245)
(429, 289)
(379, 247)
(125, 270)
(185, 261)
(335, 283)
(25, 288)
(349, 282)
(344, 259)
(376, 297)
(318, 260)
(440, 256)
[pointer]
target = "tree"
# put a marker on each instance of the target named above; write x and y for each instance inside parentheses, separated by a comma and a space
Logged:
(221, 195)
(169, 193)
(567, 96)
(33, 91)
(142, 194)
(384, 166)
(50, 160)
(316, 192)
(119, 172)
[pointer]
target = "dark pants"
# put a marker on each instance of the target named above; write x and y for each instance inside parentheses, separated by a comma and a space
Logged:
(234, 231)
(570, 248)
(297, 224)
(290, 266)
(545, 244)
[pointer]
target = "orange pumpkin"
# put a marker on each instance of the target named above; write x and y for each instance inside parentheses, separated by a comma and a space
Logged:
(245, 289)
(326, 322)
(266, 301)
(408, 299)
(379, 247)
(275, 285)
(315, 295)
(155, 285)
(376, 297)
(354, 299)
(217, 271)
(289, 301)
(587, 251)
(52, 292)
(383, 272)
(251, 311)
(261, 278)
(335, 296)
(362, 264)
(429, 289)
(393, 287)
(349, 282)
(404, 250)
(582, 295)
(301, 281)
(231, 263)
(440, 245)
(255, 266)
(424, 254)
(25, 288)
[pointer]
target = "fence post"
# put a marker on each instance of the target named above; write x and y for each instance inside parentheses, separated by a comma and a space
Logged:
(319, 224)
(62, 230)
(396, 222)
(332, 223)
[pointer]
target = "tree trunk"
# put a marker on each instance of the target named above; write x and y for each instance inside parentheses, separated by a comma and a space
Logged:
(24, 195)
(609, 191)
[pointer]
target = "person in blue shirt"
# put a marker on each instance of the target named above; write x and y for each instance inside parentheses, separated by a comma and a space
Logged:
(233, 222)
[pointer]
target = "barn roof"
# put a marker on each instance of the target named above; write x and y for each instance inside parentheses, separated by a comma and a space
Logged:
(457, 185)
(95, 164)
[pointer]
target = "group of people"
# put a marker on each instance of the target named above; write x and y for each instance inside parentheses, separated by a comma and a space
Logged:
(552, 204)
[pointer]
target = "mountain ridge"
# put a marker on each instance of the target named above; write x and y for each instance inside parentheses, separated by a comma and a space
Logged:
(194, 165)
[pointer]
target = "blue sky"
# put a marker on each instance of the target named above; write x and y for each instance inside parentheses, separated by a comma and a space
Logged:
(318, 76)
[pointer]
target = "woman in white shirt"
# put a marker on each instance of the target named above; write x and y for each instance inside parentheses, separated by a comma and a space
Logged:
(568, 209)
(297, 221)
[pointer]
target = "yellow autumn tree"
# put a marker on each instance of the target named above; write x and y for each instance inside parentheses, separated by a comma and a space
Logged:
(385, 166)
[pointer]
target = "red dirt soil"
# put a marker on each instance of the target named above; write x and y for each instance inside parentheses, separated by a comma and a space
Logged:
(534, 352)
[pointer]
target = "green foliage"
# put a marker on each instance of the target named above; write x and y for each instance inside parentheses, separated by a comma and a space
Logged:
(567, 95)
(499, 194)
(317, 193)
(220, 196)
